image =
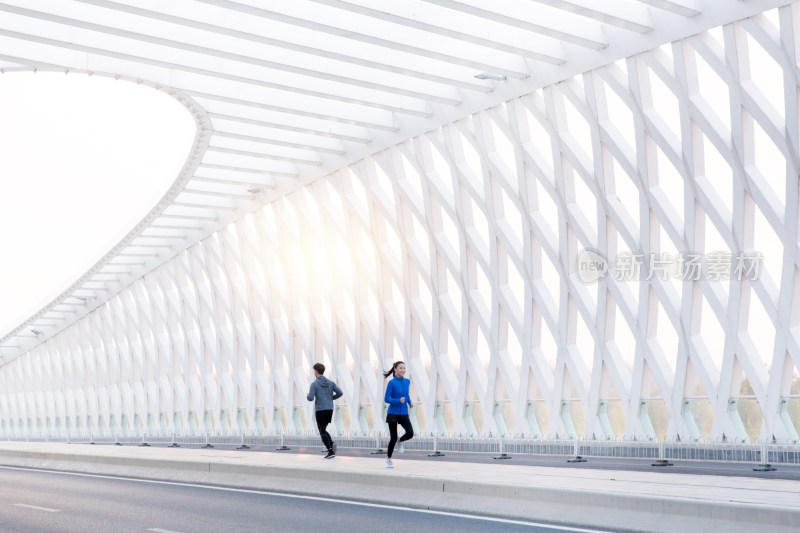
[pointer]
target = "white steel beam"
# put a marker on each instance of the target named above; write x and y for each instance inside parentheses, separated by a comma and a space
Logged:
(353, 57)
(413, 14)
(550, 23)
(505, 66)
(623, 14)
(136, 38)
(346, 96)
(686, 8)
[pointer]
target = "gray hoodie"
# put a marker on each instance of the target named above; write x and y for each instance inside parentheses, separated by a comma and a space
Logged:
(325, 391)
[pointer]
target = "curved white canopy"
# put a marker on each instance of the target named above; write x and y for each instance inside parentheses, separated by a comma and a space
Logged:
(85, 162)
(286, 92)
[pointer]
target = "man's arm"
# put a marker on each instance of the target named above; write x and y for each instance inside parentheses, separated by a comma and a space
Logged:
(337, 392)
(312, 391)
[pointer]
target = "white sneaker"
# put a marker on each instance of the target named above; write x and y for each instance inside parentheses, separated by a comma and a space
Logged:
(401, 448)
(389, 463)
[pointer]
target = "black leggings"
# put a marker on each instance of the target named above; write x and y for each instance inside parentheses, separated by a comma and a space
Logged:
(404, 421)
(323, 419)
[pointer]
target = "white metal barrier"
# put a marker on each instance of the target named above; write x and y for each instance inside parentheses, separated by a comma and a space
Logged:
(763, 453)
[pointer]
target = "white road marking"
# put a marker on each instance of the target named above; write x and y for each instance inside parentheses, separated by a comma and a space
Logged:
(162, 530)
(324, 499)
(35, 507)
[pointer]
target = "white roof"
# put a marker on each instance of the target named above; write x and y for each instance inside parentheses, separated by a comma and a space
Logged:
(286, 92)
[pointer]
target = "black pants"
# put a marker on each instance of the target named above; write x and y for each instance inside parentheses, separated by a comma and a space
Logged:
(323, 419)
(404, 421)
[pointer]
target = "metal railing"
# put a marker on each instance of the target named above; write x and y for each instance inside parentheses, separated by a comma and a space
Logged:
(777, 453)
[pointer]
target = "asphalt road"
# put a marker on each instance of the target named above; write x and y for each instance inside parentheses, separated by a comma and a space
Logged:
(35, 501)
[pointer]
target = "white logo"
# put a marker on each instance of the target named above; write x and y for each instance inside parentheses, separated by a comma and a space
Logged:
(592, 267)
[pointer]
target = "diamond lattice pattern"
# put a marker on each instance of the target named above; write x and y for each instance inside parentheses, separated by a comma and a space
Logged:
(457, 251)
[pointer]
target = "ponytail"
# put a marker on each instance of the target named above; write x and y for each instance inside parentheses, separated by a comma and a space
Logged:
(390, 372)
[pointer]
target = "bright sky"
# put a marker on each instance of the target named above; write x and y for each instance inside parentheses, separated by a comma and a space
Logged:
(84, 158)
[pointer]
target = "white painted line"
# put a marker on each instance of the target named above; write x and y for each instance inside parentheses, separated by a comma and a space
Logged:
(162, 530)
(35, 507)
(324, 499)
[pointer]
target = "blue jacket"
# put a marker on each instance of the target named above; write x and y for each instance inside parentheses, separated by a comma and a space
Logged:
(324, 391)
(396, 389)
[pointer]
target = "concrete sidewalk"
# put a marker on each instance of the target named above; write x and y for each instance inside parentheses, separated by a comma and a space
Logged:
(608, 499)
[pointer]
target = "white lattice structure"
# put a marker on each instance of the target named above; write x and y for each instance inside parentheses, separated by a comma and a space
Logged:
(457, 251)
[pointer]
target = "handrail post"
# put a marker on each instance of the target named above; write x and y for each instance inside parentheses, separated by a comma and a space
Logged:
(764, 465)
(503, 455)
(377, 450)
(661, 461)
(576, 458)
(282, 447)
(207, 444)
(436, 452)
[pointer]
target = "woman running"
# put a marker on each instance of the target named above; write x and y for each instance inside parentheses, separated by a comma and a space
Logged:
(399, 401)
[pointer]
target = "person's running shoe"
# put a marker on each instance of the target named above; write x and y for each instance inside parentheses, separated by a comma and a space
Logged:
(389, 463)
(401, 448)
(330, 455)
(334, 446)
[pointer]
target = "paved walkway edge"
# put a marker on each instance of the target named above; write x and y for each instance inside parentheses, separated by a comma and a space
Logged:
(581, 508)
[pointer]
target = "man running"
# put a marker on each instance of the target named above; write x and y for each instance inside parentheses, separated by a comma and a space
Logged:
(324, 391)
